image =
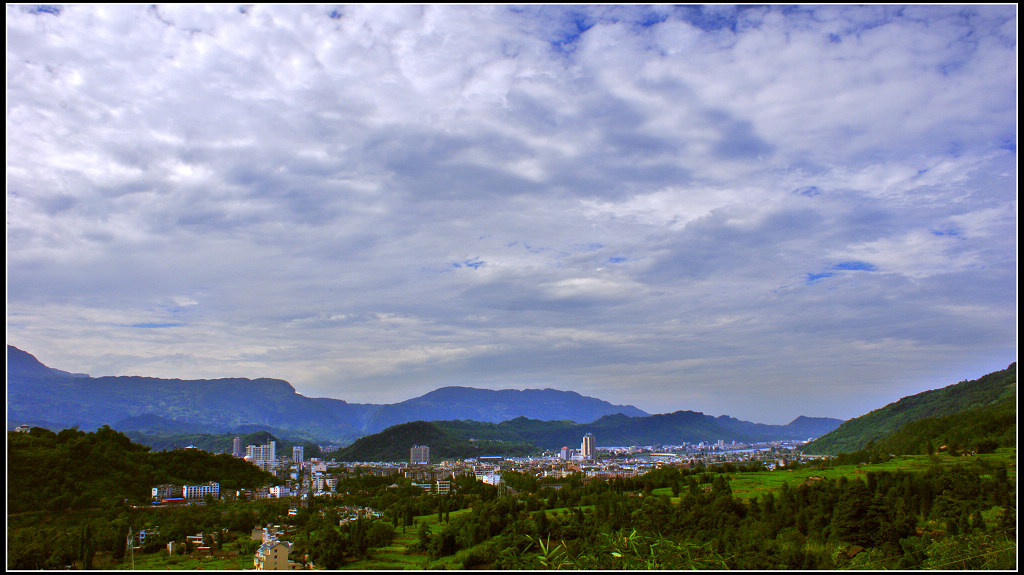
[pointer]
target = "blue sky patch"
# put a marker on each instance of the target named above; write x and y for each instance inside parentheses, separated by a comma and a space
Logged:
(850, 266)
(855, 266)
(949, 233)
(815, 278)
(156, 325)
(809, 191)
(45, 9)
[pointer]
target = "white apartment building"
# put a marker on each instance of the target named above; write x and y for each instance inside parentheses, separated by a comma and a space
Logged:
(279, 491)
(264, 456)
(200, 491)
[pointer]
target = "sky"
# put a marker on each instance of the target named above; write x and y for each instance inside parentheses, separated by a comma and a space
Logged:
(761, 212)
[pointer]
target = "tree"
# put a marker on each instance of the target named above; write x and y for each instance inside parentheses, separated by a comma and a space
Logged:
(855, 519)
(540, 519)
(423, 537)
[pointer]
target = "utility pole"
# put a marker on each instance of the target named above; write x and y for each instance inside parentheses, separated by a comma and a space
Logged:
(131, 548)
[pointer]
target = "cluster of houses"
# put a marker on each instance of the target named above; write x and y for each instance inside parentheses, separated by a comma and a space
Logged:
(273, 551)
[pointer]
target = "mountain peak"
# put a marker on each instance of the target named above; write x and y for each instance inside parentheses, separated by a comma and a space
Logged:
(22, 363)
(37, 392)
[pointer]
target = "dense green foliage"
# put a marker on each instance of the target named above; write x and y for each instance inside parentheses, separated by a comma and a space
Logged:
(855, 434)
(77, 470)
(393, 444)
(953, 516)
(979, 430)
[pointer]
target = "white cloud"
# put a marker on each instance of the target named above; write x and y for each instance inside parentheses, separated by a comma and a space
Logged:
(652, 200)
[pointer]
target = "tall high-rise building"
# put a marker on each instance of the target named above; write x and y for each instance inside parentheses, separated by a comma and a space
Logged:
(419, 454)
(587, 449)
(298, 454)
(265, 456)
(236, 447)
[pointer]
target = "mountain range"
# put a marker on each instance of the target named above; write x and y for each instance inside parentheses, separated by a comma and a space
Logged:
(464, 438)
(976, 416)
(48, 397)
(56, 399)
(53, 398)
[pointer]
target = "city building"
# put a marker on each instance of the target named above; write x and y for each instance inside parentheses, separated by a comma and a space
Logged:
(587, 449)
(298, 454)
(165, 490)
(264, 456)
(236, 447)
(419, 454)
(489, 478)
(139, 539)
(273, 555)
(200, 491)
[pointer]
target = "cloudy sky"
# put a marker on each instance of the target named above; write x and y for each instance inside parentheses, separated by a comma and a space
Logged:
(760, 212)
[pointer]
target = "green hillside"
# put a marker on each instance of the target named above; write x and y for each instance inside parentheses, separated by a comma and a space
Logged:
(77, 470)
(980, 430)
(985, 392)
(393, 444)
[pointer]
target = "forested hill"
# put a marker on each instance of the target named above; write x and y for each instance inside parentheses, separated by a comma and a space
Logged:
(983, 398)
(979, 430)
(49, 471)
(393, 444)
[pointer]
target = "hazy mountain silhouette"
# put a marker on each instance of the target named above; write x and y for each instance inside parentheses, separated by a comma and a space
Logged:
(40, 395)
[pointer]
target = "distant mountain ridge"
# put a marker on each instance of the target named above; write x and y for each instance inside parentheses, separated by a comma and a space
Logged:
(464, 438)
(622, 431)
(40, 395)
(989, 391)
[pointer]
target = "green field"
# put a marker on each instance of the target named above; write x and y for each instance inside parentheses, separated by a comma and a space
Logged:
(400, 554)
(747, 485)
(162, 562)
